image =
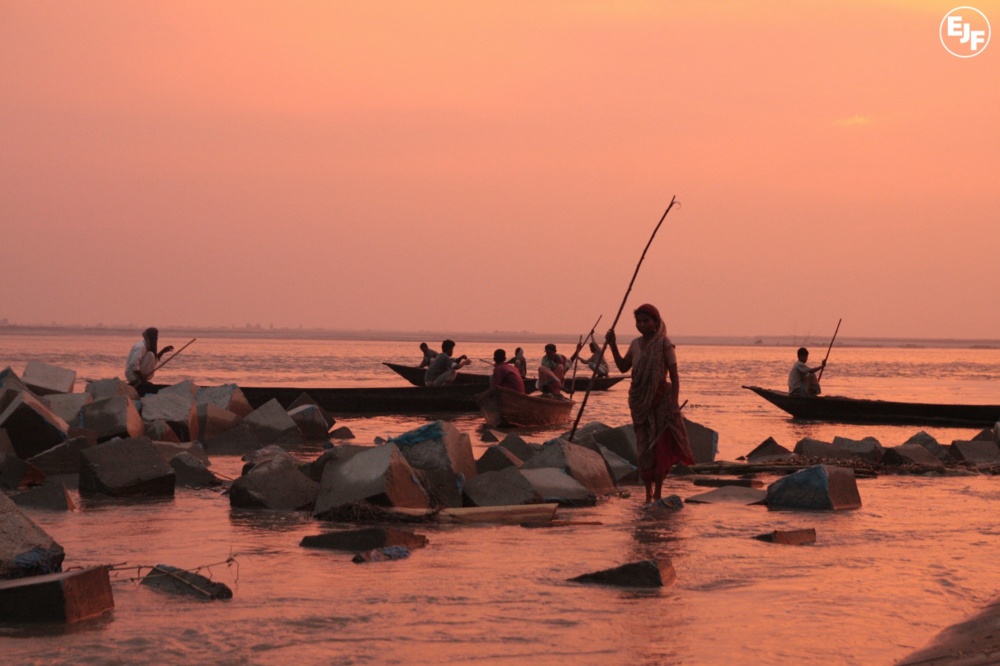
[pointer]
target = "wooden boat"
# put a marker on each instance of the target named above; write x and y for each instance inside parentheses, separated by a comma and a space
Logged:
(856, 410)
(501, 406)
(415, 376)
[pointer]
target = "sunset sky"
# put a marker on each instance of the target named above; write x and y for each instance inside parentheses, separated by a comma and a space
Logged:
(480, 166)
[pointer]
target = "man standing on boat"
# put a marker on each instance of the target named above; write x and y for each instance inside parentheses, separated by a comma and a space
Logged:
(504, 374)
(142, 359)
(443, 369)
(802, 379)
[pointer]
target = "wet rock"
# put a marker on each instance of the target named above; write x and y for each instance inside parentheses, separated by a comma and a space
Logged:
(116, 416)
(175, 405)
(505, 487)
(343, 432)
(496, 458)
(976, 451)
(868, 449)
(814, 448)
(821, 487)
(911, 454)
(63, 458)
(273, 481)
(25, 548)
(368, 538)
(768, 451)
(172, 580)
(68, 405)
(379, 475)
(16, 473)
(272, 424)
(438, 446)
(584, 465)
(730, 495)
(65, 597)
(646, 573)
(311, 422)
(50, 495)
(382, 554)
(228, 397)
(704, 441)
(110, 388)
(44, 378)
(237, 441)
(789, 537)
(31, 426)
(191, 472)
(125, 468)
(554, 485)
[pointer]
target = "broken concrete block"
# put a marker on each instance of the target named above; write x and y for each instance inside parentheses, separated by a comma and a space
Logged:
(125, 468)
(821, 487)
(985, 435)
(311, 422)
(65, 597)
(768, 451)
(214, 420)
(438, 445)
(16, 473)
(44, 378)
(622, 471)
(444, 486)
(814, 448)
(621, 440)
(496, 458)
(368, 538)
(646, 573)
(584, 465)
(382, 554)
(50, 495)
(868, 449)
(31, 426)
(520, 448)
(976, 451)
(273, 425)
(928, 442)
(314, 469)
(172, 580)
(504, 487)
(160, 431)
(185, 389)
(110, 388)
(378, 475)
(274, 481)
(789, 537)
(306, 399)
(169, 450)
(236, 441)
(116, 416)
(68, 405)
(25, 548)
(228, 397)
(174, 406)
(192, 473)
(554, 485)
(63, 458)
(704, 441)
(730, 495)
(343, 432)
(911, 454)
(11, 381)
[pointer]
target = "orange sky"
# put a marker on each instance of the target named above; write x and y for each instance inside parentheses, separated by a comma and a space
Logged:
(479, 166)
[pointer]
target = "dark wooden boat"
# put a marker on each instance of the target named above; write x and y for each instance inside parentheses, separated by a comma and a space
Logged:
(856, 410)
(501, 406)
(415, 376)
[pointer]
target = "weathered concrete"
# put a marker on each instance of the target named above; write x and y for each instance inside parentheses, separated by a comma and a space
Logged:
(31, 426)
(168, 450)
(976, 452)
(621, 470)
(191, 472)
(213, 421)
(311, 422)
(272, 425)
(814, 448)
(986, 435)
(790, 537)
(704, 441)
(584, 465)
(165, 578)
(274, 481)
(932, 445)
(176, 406)
(444, 487)
(911, 454)
(237, 441)
(368, 538)
(63, 458)
(554, 485)
(504, 487)
(380, 476)
(185, 389)
(68, 405)
(57, 597)
(125, 468)
(45, 378)
(314, 469)
(821, 487)
(438, 446)
(496, 458)
(160, 431)
(228, 397)
(868, 449)
(520, 448)
(768, 451)
(646, 573)
(109, 388)
(730, 495)
(11, 381)
(306, 399)
(719, 482)
(16, 473)
(25, 548)
(50, 495)
(116, 416)
(621, 440)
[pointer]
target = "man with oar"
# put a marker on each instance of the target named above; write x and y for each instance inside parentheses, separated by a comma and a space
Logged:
(141, 363)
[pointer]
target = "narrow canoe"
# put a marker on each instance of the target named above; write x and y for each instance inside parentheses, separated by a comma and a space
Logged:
(501, 406)
(857, 410)
(415, 376)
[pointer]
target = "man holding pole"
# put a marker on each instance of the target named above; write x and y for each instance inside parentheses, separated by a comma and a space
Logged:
(141, 363)
(802, 380)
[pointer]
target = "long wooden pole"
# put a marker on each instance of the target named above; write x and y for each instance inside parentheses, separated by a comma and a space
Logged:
(160, 365)
(604, 347)
(820, 376)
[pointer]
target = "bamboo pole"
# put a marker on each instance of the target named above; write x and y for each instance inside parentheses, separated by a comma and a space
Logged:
(160, 365)
(828, 350)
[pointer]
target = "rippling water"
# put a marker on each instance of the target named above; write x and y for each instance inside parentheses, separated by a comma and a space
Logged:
(879, 582)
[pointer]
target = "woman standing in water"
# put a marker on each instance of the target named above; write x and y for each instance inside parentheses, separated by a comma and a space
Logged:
(661, 438)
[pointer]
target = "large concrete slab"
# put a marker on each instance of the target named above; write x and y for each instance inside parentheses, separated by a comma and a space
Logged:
(272, 425)
(31, 426)
(768, 451)
(125, 468)
(821, 487)
(554, 485)
(379, 476)
(274, 481)
(25, 548)
(68, 405)
(44, 378)
(584, 465)
(115, 416)
(438, 446)
(177, 408)
(730, 495)
(704, 441)
(228, 397)
(505, 487)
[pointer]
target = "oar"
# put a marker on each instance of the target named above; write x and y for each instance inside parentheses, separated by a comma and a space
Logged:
(160, 365)
(604, 347)
(828, 350)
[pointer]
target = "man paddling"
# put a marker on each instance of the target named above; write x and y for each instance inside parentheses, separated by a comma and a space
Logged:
(141, 362)
(802, 380)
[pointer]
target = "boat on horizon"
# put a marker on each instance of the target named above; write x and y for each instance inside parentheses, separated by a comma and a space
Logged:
(884, 412)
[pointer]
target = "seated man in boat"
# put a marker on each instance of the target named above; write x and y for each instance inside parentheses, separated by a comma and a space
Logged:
(520, 362)
(429, 355)
(141, 362)
(596, 362)
(802, 379)
(505, 375)
(552, 371)
(443, 369)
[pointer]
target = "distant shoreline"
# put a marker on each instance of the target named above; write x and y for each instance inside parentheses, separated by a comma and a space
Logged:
(492, 336)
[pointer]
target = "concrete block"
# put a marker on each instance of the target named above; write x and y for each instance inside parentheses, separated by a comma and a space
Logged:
(214, 420)
(311, 422)
(646, 573)
(175, 406)
(44, 378)
(821, 487)
(274, 481)
(976, 451)
(49, 495)
(68, 405)
(704, 441)
(31, 426)
(911, 454)
(814, 448)
(790, 537)
(584, 465)
(165, 578)
(504, 487)
(438, 446)
(868, 449)
(520, 448)
(11, 381)
(170, 450)
(496, 458)
(228, 397)
(116, 416)
(932, 445)
(730, 495)
(622, 471)
(65, 597)
(306, 399)
(621, 440)
(379, 475)
(768, 451)
(236, 441)
(554, 485)
(985, 435)
(184, 389)
(25, 548)
(125, 468)
(369, 538)
(273, 425)
(110, 388)
(6, 447)
(63, 458)
(160, 431)
(444, 486)
(16, 473)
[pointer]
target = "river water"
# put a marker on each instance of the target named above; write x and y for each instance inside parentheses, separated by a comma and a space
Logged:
(878, 583)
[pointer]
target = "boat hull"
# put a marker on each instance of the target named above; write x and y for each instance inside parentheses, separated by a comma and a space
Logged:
(503, 407)
(415, 376)
(885, 412)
